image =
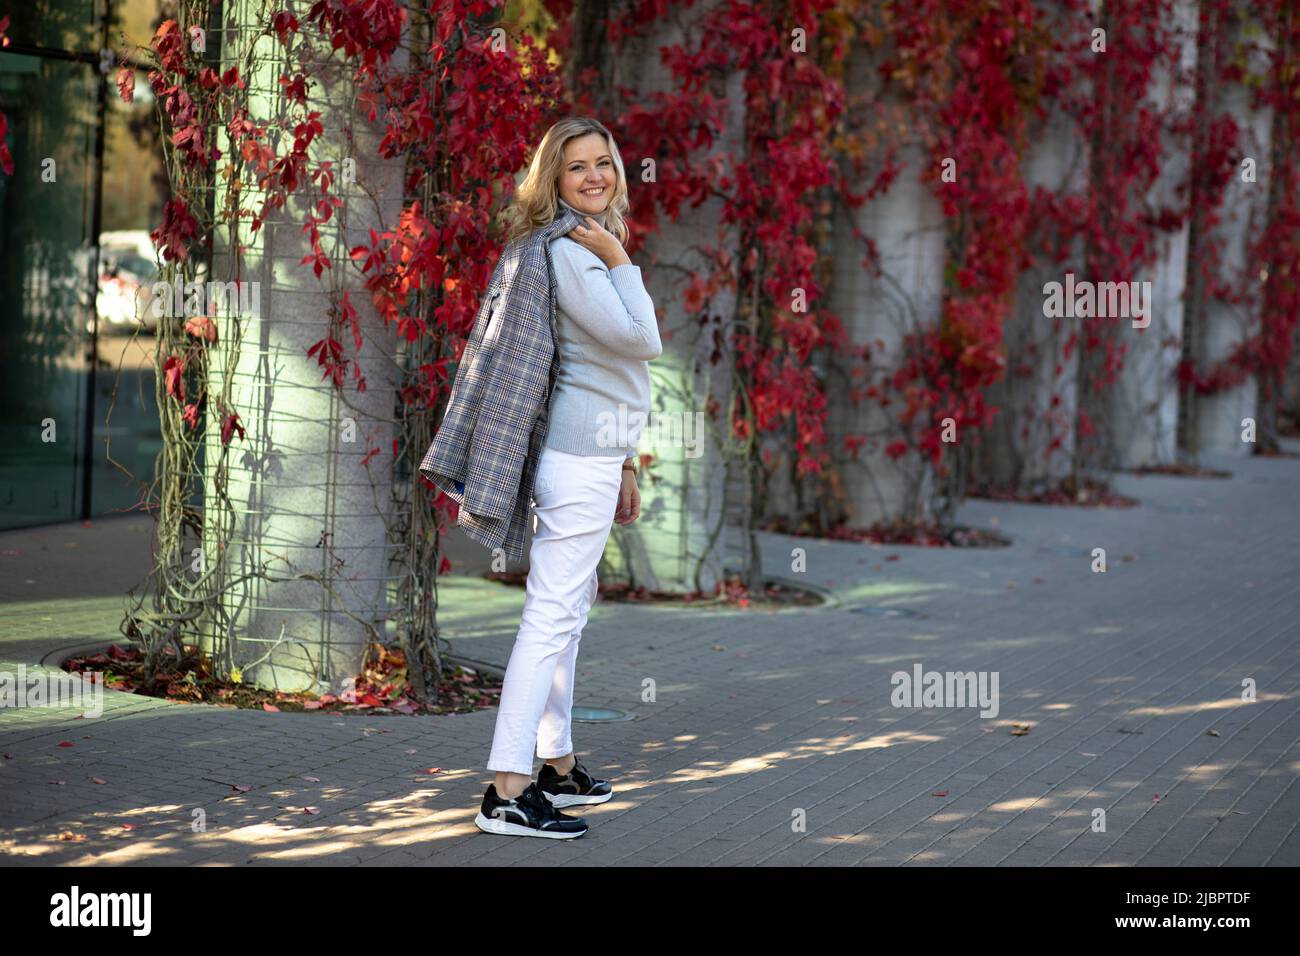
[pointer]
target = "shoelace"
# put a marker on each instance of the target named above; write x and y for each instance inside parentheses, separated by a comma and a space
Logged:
(533, 798)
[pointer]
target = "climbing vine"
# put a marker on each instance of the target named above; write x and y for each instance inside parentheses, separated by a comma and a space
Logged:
(971, 82)
(1267, 288)
(973, 71)
(423, 272)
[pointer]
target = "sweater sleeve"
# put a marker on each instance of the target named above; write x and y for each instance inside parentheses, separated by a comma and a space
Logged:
(610, 305)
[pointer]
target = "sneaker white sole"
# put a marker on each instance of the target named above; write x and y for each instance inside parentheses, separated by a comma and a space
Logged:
(559, 800)
(506, 828)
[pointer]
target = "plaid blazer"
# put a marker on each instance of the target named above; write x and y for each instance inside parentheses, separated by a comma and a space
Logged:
(484, 454)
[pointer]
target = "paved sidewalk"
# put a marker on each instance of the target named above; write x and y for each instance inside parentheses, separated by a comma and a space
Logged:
(763, 720)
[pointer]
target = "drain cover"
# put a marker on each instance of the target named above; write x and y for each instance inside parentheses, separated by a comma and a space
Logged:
(599, 713)
(880, 610)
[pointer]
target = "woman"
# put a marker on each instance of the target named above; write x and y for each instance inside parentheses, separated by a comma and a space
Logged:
(606, 334)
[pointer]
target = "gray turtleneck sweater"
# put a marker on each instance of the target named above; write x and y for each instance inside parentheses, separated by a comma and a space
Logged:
(608, 333)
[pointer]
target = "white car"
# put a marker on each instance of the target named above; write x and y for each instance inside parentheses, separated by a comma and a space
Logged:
(125, 292)
(127, 272)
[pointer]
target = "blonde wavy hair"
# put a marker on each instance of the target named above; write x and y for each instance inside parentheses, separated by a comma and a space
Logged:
(537, 199)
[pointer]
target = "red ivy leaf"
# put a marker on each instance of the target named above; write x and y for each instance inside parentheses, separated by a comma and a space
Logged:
(230, 425)
(177, 227)
(202, 327)
(284, 23)
(126, 84)
(173, 372)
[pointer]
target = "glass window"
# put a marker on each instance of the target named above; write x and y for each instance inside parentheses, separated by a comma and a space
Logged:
(71, 25)
(126, 413)
(76, 336)
(45, 223)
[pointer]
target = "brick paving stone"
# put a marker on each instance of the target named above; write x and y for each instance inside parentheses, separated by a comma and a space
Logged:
(1121, 676)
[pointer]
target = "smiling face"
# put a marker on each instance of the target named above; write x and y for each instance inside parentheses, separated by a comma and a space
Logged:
(588, 177)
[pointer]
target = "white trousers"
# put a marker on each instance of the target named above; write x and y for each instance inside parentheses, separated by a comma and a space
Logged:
(574, 500)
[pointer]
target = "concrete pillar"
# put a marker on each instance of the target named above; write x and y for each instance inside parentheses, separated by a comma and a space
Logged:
(302, 499)
(1216, 425)
(909, 230)
(681, 540)
(1146, 409)
(1244, 212)
(1030, 443)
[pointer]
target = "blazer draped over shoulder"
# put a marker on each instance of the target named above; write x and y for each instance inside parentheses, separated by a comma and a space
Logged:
(484, 454)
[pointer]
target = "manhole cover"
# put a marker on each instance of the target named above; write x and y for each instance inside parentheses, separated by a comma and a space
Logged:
(877, 610)
(599, 713)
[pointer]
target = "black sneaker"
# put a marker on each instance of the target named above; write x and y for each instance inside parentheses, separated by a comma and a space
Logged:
(573, 788)
(528, 814)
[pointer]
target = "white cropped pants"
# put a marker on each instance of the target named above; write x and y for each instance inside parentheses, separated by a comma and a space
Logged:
(574, 500)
